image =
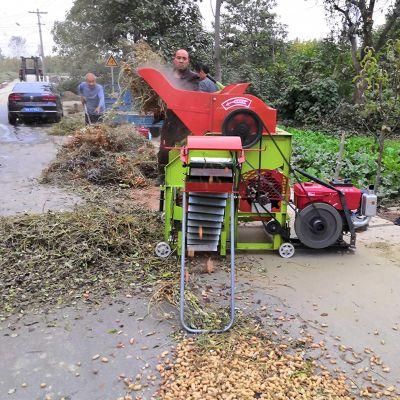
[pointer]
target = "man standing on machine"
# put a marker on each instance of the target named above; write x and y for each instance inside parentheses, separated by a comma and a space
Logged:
(173, 130)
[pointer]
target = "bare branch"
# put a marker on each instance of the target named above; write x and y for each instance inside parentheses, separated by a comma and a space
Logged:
(345, 13)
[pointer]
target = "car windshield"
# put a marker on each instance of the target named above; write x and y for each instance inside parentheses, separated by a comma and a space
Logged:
(32, 87)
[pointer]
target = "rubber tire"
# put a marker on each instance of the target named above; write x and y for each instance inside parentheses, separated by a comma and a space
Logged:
(163, 250)
(332, 225)
(12, 119)
(286, 250)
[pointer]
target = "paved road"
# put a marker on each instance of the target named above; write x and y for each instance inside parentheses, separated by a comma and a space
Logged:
(348, 302)
(24, 151)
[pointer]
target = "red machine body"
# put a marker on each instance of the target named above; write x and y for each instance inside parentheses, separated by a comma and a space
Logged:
(203, 112)
(310, 192)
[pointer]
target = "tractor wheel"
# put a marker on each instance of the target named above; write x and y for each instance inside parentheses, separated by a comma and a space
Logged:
(318, 225)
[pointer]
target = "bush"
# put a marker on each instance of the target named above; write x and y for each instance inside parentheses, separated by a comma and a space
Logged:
(70, 85)
(311, 102)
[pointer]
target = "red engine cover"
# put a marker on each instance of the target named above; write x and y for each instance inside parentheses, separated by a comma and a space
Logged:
(310, 192)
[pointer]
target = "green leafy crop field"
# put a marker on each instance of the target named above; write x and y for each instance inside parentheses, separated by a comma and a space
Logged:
(316, 153)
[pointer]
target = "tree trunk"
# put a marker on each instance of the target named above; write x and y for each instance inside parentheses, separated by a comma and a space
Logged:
(367, 25)
(340, 155)
(217, 40)
(381, 143)
(360, 86)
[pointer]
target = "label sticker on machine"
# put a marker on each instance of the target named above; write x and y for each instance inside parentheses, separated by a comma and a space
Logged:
(236, 102)
(32, 109)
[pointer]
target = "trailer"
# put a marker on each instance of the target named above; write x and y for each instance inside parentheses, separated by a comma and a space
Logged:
(31, 66)
(122, 107)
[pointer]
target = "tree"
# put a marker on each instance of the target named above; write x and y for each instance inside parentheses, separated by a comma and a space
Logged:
(2, 57)
(358, 28)
(314, 77)
(17, 46)
(251, 32)
(381, 103)
(164, 25)
(251, 40)
(91, 31)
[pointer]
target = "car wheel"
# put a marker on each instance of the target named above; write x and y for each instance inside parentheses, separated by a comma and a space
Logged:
(12, 119)
(53, 119)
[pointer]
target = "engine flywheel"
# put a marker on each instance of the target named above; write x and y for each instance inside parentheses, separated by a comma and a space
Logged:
(318, 225)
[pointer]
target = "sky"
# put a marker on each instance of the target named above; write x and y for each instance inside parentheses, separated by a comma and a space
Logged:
(15, 20)
(305, 20)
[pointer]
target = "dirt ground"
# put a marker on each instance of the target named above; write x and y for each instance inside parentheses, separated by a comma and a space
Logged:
(349, 301)
(390, 214)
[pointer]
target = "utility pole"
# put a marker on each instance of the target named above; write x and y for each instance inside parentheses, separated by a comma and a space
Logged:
(37, 12)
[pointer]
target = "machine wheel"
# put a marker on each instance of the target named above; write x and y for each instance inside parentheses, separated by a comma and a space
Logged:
(243, 123)
(273, 227)
(286, 250)
(161, 215)
(163, 250)
(318, 225)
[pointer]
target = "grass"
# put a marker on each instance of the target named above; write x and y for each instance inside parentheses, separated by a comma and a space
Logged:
(7, 76)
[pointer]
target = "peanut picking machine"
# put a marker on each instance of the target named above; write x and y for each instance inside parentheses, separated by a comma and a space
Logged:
(232, 175)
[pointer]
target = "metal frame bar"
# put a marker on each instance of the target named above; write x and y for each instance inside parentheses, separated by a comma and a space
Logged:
(232, 274)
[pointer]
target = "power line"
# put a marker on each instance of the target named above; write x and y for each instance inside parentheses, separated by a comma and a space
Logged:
(37, 12)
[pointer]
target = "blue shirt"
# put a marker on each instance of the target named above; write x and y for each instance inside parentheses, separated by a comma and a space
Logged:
(94, 96)
(207, 85)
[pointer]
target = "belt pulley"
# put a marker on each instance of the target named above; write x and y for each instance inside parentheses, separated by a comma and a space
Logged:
(243, 123)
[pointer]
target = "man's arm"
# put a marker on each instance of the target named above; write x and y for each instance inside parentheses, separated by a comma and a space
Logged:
(80, 93)
(80, 89)
(207, 85)
(102, 103)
